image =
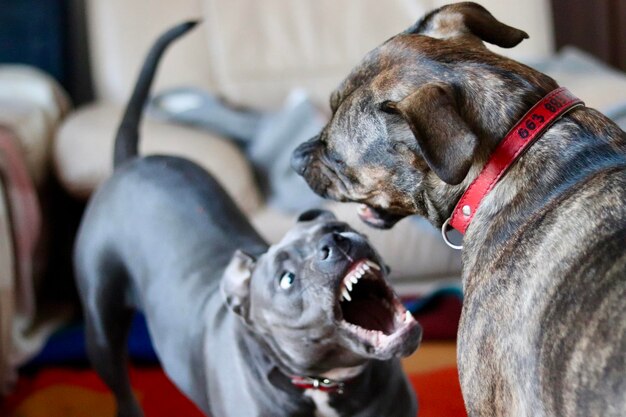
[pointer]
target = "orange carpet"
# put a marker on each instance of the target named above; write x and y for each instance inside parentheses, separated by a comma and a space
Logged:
(61, 392)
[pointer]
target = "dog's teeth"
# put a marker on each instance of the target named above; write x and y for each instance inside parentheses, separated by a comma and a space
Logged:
(408, 316)
(346, 295)
(365, 267)
(354, 279)
(373, 265)
(348, 285)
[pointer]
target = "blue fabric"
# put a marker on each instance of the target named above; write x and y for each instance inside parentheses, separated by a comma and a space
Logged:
(33, 32)
(67, 345)
(418, 304)
(268, 138)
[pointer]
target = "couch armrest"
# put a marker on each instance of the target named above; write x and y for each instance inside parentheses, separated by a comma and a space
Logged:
(32, 105)
(83, 152)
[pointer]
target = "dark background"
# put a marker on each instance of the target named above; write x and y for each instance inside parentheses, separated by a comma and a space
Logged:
(597, 26)
(50, 35)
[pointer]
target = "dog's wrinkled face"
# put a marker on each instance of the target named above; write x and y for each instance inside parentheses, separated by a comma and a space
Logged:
(417, 114)
(319, 299)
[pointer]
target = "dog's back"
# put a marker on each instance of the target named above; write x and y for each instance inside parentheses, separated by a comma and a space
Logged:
(156, 236)
(158, 198)
(562, 333)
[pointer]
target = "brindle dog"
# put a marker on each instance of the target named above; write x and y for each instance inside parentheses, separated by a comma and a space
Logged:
(543, 329)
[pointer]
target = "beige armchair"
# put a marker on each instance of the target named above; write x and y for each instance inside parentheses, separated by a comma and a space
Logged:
(254, 53)
(31, 107)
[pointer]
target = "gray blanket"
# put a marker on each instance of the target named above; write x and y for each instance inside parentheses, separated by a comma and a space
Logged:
(267, 138)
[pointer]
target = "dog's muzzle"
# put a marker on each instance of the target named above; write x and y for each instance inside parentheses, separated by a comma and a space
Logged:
(305, 161)
(303, 155)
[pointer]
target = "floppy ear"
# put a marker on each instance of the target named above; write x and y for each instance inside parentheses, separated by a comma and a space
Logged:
(314, 214)
(235, 283)
(447, 143)
(467, 17)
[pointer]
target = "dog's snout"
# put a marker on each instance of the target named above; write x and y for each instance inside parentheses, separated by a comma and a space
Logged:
(333, 245)
(300, 159)
(303, 155)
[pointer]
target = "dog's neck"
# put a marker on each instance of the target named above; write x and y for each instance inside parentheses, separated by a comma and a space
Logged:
(568, 154)
(518, 140)
(490, 109)
(271, 380)
(268, 366)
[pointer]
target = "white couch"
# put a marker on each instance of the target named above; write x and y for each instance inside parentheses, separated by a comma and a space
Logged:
(255, 53)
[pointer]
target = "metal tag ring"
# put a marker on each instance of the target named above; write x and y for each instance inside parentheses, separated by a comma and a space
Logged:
(444, 234)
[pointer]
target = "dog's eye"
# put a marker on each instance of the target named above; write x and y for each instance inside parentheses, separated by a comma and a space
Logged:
(286, 280)
(388, 107)
(335, 158)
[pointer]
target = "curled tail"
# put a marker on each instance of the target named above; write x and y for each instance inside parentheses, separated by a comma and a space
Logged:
(127, 138)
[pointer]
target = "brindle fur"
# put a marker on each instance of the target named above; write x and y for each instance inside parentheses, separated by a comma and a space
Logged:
(543, 329)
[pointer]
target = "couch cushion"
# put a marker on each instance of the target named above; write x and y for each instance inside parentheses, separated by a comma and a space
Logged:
(120, 34)
(314, 44)
(84, 146)
(309, 44)
(255, 52)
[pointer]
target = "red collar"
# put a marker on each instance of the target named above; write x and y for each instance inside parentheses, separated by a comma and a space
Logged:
(321, 384)
(534, 123)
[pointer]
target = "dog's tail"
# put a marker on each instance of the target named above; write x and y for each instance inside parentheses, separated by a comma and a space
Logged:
(127, 138)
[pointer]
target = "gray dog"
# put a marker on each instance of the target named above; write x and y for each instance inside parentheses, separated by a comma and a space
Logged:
(543, 328)
(306, 327)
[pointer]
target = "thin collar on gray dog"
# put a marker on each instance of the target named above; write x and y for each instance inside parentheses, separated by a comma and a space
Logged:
(321, 384)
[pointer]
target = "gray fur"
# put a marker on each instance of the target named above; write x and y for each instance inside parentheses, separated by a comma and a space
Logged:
(162, 236)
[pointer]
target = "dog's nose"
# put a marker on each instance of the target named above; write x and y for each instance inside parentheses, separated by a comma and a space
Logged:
(300, 159)
(333, 245)
(302, 156)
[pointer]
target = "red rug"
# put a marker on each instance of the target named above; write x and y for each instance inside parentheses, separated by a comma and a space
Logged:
(60, 392)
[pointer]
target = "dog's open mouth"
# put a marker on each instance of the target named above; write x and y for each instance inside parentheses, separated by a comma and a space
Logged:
(377, 218)
(370, 311)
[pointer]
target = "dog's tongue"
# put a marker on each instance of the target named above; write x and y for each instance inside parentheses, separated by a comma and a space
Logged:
(367, 214)
(369, 314)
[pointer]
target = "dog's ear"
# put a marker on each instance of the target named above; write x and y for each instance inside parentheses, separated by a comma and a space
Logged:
(467, 18)
(235, 285)
(316, 214)
(446, 141)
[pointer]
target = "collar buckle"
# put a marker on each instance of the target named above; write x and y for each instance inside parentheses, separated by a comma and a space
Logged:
(322, 384)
